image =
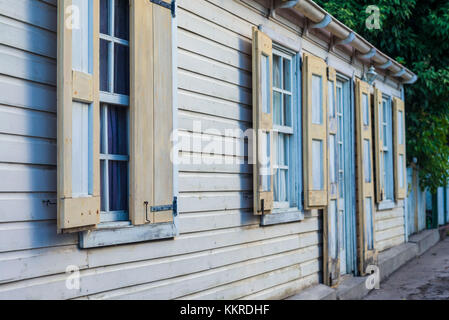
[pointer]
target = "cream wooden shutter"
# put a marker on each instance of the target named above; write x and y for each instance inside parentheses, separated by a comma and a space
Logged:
(365, 189)
(379, 145)
(315, 132)
(151, 114)
(78, 115)
(400, 176)
(262, 156)
(330, 226)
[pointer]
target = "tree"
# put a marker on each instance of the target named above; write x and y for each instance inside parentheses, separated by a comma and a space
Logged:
(416, 34)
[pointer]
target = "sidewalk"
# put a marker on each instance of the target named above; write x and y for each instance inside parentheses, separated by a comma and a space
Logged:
(425, 277)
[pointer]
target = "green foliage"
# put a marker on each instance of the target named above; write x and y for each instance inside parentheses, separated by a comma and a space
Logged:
(416, 34)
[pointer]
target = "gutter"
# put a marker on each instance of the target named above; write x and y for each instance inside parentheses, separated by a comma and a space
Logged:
(321, 19)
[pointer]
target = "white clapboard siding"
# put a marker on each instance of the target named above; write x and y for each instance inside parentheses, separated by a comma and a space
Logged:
(38, 13)
(19, 207)
(105, 278)
(389, 228)
(213, 50)
(25, 65)
(213, 69)
(27, 94)
(203, 104)
(17, 149)
(17, 34)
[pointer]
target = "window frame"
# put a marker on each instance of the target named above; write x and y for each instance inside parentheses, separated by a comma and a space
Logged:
(287, 212)
(388, 170)
(110, 99)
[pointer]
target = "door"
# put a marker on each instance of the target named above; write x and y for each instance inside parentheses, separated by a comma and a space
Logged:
(346, 178)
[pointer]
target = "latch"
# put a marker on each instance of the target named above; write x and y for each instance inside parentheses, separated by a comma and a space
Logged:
(171, 6)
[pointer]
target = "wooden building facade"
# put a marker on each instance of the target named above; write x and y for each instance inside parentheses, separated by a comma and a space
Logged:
(210, 149)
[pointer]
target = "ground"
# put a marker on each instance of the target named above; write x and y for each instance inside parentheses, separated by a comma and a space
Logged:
(423, 278)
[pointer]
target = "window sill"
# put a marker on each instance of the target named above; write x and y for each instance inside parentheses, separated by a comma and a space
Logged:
(280, 217)
(124, 233)
(386, 205)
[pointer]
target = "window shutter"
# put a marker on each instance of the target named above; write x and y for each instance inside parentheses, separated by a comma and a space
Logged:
(365, 189)
(315, 132)
(400, 176)
(262, 157)
(330, 226)
(78, 116)
(379, 145)
(151, 114)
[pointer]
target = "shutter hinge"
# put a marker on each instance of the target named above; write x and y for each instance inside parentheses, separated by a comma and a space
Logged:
(169, 207)
(171, 6)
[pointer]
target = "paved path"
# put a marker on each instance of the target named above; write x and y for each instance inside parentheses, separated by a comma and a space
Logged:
(423, 278)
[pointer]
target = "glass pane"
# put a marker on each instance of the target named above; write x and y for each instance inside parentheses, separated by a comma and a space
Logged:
(317, 165)
(401, 171)
(121, 25)
(369, 223)
(365, 109)
(282, 185)
(102, 129)
(331, 94)
(264, 68)
(104, 65)
(317, 100)
(117, 131)
(276, 186)
(333, 233)
(400, 127)
(332, 159)
(104, 16)
(118, 186)
(287, 75)
(367, 160)
(287, 118)
(103, 185)
(339, 99)
(282, 150)
(264, 162)
(121, 69)
(277, 107)
(277, 71)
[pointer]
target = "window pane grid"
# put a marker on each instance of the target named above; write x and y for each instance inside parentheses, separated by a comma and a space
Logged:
(114, 117)
(283, 127)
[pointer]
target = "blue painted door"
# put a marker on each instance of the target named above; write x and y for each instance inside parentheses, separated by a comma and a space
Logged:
(346, 178)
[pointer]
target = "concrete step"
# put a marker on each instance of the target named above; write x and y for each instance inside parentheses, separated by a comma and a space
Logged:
(317, 292)
(392, 259)
(425, 240)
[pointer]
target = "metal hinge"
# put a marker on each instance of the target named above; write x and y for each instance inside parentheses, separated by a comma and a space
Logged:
(169, 207)
(171, 6)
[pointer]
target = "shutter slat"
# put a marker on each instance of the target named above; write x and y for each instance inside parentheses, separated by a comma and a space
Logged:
(379, 146)
(75, 212)
(262, 156)
(400, 176)
(331, 243)
(315, 133)
(151, 113)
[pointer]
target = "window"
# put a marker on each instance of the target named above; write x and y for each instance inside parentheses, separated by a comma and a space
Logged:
(387, 140)
(114, 109)
(120, 120)
(283, 129)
